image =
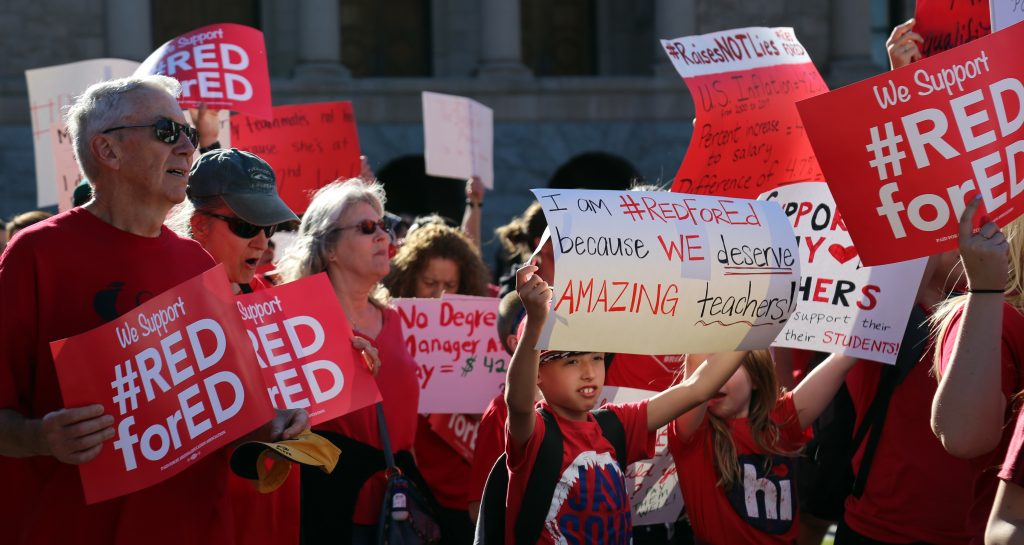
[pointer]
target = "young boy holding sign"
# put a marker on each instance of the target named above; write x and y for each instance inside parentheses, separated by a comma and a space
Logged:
(592, 503)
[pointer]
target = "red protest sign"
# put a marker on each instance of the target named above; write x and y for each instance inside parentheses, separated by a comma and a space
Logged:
(458, 430)
(177, 375)
(945, 24)
(223, 65)
(303, 346)
(748, 137)
(308, 146)
(904, 151)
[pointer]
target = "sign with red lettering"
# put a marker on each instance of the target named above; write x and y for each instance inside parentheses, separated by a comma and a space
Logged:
(458, 138)
(223, 65)
(458, 430)
(945, 24)
(904, 151)
(65, 167)
(308, 146)
(303, 346)
(50, 91)
(454, 341)
(177, 374)
(845, 307)
(667, 273)
(747, 137)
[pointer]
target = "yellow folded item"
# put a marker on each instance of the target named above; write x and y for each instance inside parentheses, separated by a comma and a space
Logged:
(250, 460)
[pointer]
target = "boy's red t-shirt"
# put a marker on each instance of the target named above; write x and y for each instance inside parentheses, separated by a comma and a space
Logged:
(762, 507)
(986, 466)
(590, 503)
(490, 443)
(645, 372)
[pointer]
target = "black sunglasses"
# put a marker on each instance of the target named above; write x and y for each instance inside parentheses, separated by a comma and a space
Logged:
(367, 227)
(242, 228)
(166, 131)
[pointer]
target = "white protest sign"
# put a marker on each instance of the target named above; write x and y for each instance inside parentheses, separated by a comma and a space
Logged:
(1005, 13)
(65, 167)
(50, 91)
(460, 361)
(458, 137)
(667, 273)
(652, 485)
(844, 307)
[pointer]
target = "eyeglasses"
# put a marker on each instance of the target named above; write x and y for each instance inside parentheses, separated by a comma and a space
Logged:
(166, 131)
(367, 227)
(242, 228)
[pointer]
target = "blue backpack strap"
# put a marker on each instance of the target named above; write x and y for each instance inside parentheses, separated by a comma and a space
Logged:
(615, 433)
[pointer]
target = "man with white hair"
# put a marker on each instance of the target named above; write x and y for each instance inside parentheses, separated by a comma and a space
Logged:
(74, 272)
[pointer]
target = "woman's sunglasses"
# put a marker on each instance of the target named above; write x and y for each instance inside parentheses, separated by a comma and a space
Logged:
(166, 131)
(367, 227)
(242, 228)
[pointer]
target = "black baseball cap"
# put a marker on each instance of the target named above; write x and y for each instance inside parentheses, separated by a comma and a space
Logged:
(244, 181)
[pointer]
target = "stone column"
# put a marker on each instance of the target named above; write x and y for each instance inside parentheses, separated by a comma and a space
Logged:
(501, 47)
(672, 19)
(320, 40)
(129, 29)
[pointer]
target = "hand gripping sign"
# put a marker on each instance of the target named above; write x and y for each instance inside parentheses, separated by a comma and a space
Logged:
(308, 146)
(222, 65)
(945, 24)
(904, 151)
(177, 375)
(747, 136)
(454, 340)
(304, 349)
(845, 308)
(667, 273)
(458, 137)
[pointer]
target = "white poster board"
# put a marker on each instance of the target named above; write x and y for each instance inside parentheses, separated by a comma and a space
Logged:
(1005, 13)
(458, 137)
(843, 307)
(50, 91)
(667, 273)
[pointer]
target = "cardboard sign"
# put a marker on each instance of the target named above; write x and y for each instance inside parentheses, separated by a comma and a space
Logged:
(458, 137)
(945, 24)
(667, 273)
(308, 146)
(747, 137)
(904, 151)
(177, 375)
(303, 346)
(64, 165)
(845, 308)
(223, 65)
(1005, 13)
(458, 430)
(50, 91)
(461, 362)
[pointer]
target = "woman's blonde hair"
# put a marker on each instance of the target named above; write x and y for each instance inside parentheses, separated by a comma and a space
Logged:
(944, 312)
(764, 396)
(436, 241)
(307, 255)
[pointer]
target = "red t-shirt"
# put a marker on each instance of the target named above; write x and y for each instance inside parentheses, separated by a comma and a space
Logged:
(903, 500)
(590, 503)
(1013, 464)
(400, 391)
(490, 443)
(763, 507)
(443, 468)
(655, 373)
(58, 278)
(987, 465)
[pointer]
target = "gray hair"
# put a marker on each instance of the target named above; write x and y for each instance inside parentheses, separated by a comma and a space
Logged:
(316, 232)
(102, 105)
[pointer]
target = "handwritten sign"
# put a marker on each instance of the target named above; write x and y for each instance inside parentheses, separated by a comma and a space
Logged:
(1005, 13)
(223, 65)
(667, 273)
(904, 151)
(64, 165)
(50, 91)
(308, 146)
(455, 344)
(303, 346)
(945, 24)
(458, 137)
(748, 137)
(844, 308)
(178, 377)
